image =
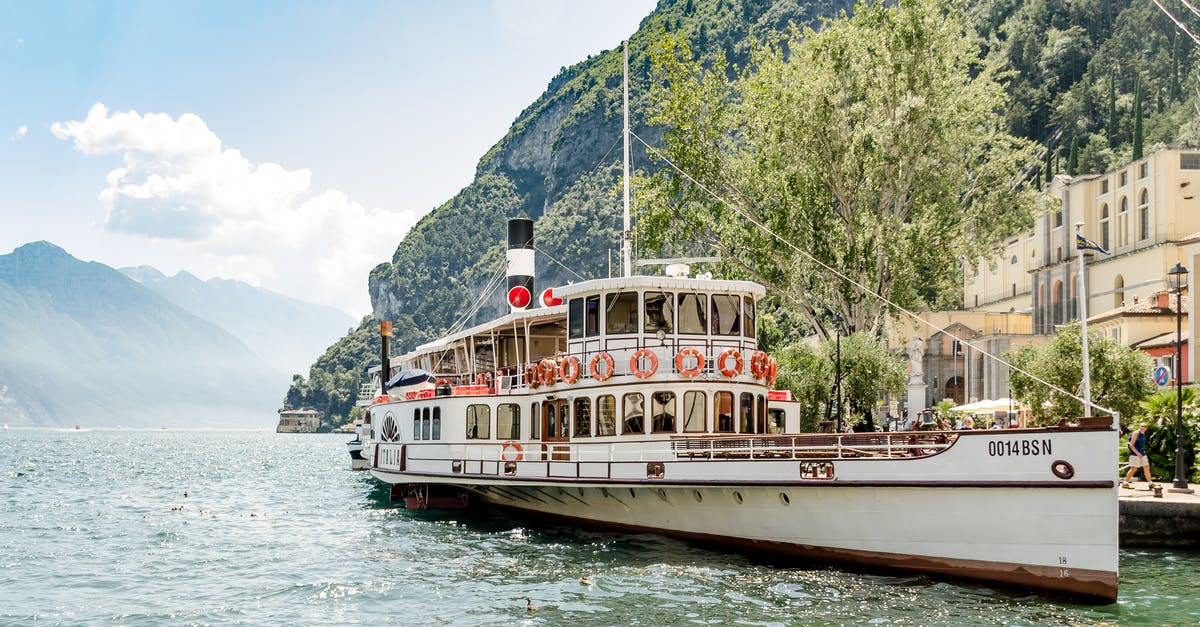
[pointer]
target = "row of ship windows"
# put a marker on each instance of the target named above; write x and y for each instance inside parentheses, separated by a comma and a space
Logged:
(581, 417)
(668, 312)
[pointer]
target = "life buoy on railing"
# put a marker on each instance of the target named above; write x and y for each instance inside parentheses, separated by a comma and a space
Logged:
(758, 364)
(518, 453)
(549, 371)
(531, 376)
(772, 371)
(738, 362)
(683, 357)
(570, 369)
(635, 363)
(609, 366)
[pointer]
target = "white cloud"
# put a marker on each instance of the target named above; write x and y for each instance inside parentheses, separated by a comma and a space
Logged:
(22, 131)
(257, 222)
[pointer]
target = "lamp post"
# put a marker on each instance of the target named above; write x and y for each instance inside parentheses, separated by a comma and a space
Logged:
(1177, 278)
(837, 321)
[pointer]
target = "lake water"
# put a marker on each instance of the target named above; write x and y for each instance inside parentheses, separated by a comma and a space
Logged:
(209, 527)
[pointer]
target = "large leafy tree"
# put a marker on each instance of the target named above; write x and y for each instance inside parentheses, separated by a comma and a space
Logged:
(873, 146)
(1120, 376)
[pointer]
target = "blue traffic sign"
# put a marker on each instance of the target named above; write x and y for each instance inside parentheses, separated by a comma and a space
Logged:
(1162, 374)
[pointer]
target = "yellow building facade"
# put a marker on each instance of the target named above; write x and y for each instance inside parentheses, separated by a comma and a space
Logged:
(1145, 214)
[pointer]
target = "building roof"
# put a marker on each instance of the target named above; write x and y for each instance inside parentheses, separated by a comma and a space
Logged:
(1165, 340)
(1140, 308)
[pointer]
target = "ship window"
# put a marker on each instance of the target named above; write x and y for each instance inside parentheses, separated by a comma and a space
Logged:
(621, 315)
(426, 428)
(632, 414)
(748, 314)
(723, 406)
(583, 417)
(693, 314)
(508, 421)
(693, 412)
(746, 415)
(591, 326)
(660, 313)
(725, 318)
(662, 411)
(760, 414)
(416, 424)
(575, 318)
(437, 423)
(535, 425)
(479, 420)
(776, 422)
(606, 415)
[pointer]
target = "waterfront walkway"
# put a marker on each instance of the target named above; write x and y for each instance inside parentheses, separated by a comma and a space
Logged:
(1170, 521)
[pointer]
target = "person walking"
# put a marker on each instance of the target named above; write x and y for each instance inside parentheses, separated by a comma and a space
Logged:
(1138, 458)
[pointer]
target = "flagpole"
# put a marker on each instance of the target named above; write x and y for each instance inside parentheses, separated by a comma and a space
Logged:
(1086, 384)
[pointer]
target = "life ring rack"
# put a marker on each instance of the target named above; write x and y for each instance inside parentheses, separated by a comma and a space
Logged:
(682, 358)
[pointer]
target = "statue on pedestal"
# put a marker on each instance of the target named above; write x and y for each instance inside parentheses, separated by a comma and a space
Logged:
(916, 357)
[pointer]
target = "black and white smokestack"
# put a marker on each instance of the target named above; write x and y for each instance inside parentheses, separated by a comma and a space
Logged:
(520, 263)
(385, 355)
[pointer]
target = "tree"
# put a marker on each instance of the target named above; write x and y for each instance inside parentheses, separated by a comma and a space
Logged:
(869, 371)
(1120, 376)
(1137, 121)
(872, 145)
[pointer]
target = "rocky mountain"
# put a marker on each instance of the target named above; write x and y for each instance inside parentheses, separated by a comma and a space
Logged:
(286, 333)
(1076, 70)
(83, 344)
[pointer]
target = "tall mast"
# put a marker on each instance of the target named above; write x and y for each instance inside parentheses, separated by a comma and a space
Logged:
(626, 235)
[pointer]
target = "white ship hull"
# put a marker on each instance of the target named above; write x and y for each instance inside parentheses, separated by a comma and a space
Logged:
(992, 506)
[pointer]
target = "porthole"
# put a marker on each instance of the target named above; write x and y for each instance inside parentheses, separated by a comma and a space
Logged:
(737, 496)
(783, 498)
(699, 497)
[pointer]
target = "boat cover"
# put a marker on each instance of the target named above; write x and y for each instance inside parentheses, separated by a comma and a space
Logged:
(405, 378)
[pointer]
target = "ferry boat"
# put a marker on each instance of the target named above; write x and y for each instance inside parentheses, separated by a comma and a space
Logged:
(644, 403)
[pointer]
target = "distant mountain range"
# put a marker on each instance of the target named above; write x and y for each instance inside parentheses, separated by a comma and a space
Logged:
(82, 343)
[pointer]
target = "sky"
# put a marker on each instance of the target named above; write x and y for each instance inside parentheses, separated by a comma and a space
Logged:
(287, 144)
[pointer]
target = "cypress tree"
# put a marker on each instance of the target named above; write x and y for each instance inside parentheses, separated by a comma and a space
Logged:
(1049, 164)
(1112, 112)
(1073, 157)
(1137, 121)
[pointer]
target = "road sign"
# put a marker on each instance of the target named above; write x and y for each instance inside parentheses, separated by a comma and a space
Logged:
(1162, 374)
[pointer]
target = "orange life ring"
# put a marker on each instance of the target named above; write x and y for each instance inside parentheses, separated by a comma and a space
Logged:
(531, 376)
(758, 364)
(510, 444)
(682, 357)
(772, 371)
(608, 369)
(441, 382)
(738, 362)
(570, 369)
(635, 363)
(549, 371)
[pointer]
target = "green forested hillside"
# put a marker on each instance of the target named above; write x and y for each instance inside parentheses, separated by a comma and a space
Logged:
(1076, 70)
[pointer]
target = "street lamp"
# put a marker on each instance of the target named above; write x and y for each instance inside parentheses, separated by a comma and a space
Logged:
(1177, 279)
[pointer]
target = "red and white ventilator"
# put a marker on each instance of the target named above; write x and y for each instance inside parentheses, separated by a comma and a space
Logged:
(520, 263)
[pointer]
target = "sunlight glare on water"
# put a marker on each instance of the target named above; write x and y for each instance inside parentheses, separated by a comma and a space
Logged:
(215, 527)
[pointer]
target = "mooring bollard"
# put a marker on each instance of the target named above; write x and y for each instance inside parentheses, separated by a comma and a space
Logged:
(1158, 491)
